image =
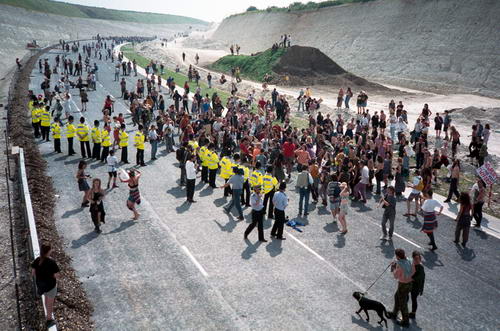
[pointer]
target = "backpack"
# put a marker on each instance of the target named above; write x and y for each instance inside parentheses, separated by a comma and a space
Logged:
(334, 191)
(179, 154)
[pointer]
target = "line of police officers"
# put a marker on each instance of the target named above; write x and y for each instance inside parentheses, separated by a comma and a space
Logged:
(100, 137)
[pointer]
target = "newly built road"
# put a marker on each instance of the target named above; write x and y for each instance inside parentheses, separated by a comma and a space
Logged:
(185, 266)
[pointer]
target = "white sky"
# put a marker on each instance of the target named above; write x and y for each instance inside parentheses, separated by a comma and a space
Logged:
(208, 10)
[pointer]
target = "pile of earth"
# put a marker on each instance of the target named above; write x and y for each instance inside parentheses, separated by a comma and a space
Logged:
(295, 66)
(308, 65)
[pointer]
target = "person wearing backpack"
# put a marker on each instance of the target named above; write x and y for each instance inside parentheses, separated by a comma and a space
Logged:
(304, 181)
(417, 186)
(333, 191)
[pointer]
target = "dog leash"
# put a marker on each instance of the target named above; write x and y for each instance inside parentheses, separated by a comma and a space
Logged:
(383, 272)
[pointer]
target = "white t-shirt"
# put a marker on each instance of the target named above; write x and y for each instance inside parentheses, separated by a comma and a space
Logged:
(365, 175)
(416, 180)
(112, 162)
(190, 170)
(430, 205)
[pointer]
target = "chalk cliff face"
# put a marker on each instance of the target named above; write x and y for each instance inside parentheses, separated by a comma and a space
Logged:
(453, 45)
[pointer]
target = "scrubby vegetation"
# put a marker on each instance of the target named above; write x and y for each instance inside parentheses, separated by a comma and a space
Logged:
(251, 67)
(299, 6)
(71, 10)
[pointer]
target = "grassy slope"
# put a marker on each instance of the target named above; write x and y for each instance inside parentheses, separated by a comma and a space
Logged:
(179, 78)
(71, 10)
(299, 6)
(251, 67)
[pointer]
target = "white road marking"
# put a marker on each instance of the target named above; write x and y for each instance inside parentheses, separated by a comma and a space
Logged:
(195, 261)
(325, 261)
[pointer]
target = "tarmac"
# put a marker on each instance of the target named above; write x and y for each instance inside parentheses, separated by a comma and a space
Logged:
(186, 266)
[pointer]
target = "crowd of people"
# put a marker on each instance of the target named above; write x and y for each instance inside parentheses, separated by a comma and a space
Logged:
(333, 159)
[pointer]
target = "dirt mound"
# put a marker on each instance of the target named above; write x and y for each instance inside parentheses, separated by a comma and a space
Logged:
(308, 65)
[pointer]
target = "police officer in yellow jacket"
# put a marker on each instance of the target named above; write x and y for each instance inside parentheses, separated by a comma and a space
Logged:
(124, 143)
(45, 122)
(35, 118)
(70, 135)
(226, 171)
(203, 154)
(270, 185)
(139, 140)
(96, 140)
(105, 144)
(213, 165)
(56, 134)
(83, 134)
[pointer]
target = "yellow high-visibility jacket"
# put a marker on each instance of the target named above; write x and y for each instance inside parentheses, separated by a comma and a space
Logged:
(269, 183)
(83, 132)
(56, 130)
(139, 140)
(70, 130)
(123, 138)
(226, 167)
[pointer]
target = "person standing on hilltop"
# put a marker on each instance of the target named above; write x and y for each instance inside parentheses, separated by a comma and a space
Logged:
(340, 98)
(348, 96)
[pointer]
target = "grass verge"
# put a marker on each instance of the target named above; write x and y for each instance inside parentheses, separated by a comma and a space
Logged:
(179, 78)
(251, 67)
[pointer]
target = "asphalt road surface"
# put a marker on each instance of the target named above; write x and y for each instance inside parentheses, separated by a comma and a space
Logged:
(184, 266)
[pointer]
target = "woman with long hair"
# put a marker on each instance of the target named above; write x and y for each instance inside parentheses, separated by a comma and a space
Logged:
(81, 178)
(463, 219)
(344, 207)
(95, 196)
(134, 194)
(46, 271)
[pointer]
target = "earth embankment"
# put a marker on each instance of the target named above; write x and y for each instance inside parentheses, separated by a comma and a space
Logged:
(451, 45)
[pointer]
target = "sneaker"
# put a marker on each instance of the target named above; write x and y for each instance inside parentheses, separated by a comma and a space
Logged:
(383, 237)
(411, 315)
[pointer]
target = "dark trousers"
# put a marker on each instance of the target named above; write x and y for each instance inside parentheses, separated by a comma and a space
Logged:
(212, 173)
(257, 220)
(453, 189)
(36, 128)
(420, 160)
(268, 198)
(227, 189)
(462, 227)
(414, 304)
(204, 174)
(125, 154)
(105, 153)
(190, 189)
(71, 151)
(431, 237)
(45, 132)
(245, 195)
(401, 300)
(139, 157)
(57, 145)
(279, 223)
(96, 151)
(85, 146)
(477, 212)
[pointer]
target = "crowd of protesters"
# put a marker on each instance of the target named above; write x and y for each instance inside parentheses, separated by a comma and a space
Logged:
(255, 149)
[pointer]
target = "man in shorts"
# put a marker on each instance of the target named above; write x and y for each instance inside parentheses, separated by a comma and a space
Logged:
(416, 186)
(112, 162)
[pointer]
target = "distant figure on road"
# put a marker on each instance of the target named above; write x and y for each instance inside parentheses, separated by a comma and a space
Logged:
(183, 57)
(197, 58)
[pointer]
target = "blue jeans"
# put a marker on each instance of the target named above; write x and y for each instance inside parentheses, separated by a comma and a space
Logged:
(393, 132)
(236, 202)
(346, 101)
(154, 148)
(304, 200)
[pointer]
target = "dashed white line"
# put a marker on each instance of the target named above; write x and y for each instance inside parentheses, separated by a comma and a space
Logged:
(195, 261)
(310, 250)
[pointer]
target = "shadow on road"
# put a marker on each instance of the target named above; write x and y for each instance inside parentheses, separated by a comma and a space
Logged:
(84, 239)
(123, 226)
(274, 247)
(69, 213)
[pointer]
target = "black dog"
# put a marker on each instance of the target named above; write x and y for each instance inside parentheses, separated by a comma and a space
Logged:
(367, 304)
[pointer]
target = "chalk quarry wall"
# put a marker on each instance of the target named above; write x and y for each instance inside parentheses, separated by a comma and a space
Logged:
(19, 26)
(452, 45)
